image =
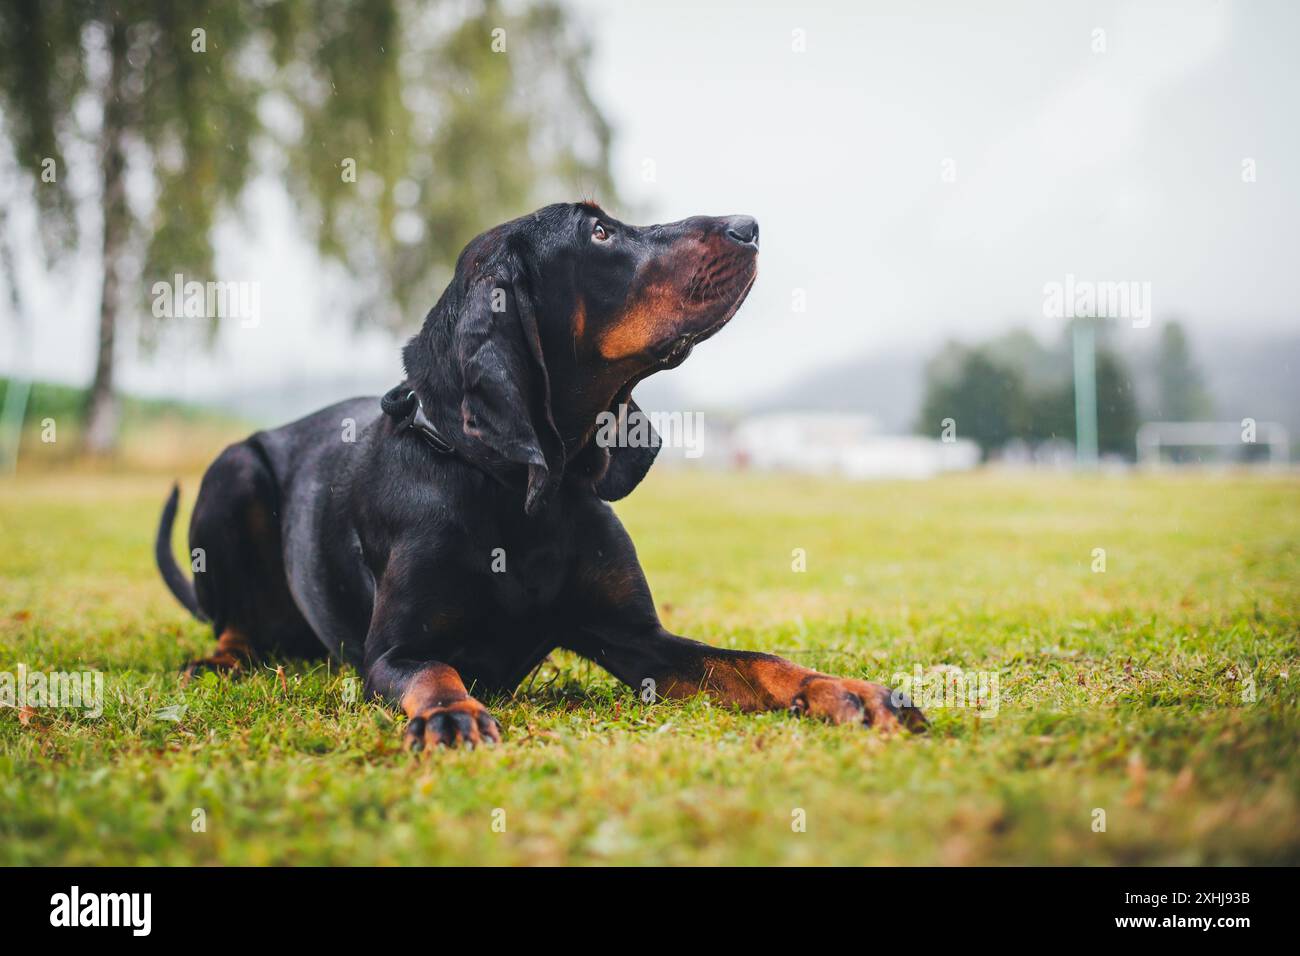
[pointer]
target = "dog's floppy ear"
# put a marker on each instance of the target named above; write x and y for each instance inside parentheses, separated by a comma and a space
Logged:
(506, 394)
(628, 460)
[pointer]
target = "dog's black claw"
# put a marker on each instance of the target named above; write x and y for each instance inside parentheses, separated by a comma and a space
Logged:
(415, 734)
(464, 725)
(489, 728)
(440, 727)
(903, 708)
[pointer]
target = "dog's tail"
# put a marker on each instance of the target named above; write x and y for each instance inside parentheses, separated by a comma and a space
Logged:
(175, 579)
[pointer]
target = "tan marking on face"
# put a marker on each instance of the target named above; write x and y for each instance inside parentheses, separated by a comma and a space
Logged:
(646, 322)
(579, 322)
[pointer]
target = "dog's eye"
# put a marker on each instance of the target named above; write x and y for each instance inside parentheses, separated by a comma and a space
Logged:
(599, 233)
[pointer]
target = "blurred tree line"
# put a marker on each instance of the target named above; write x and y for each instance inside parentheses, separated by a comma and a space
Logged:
(1014, 387)
(400, 128)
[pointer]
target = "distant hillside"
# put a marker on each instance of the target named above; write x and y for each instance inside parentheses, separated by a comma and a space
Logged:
(1256, 377)
(887, 386)
(271, 405)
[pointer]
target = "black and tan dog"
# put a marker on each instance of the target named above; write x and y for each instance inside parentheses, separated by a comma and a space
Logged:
(455, 532)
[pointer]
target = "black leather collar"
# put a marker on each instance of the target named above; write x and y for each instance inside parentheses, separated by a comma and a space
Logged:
(401, 403)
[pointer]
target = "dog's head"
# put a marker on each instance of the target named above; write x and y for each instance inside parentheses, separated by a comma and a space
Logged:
(552, 318)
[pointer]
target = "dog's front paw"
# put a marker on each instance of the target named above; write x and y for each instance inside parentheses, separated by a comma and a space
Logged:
(842, 700)
(463, 723)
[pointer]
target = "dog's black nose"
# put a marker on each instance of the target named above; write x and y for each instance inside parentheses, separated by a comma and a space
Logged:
(742, 229)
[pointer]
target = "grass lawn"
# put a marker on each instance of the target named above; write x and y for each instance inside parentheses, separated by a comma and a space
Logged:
(1162, 692)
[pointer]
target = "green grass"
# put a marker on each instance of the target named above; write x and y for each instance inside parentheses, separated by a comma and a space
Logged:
(1127, 691)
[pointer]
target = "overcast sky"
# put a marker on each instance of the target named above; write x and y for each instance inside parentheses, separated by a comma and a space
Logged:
(1122, 165)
